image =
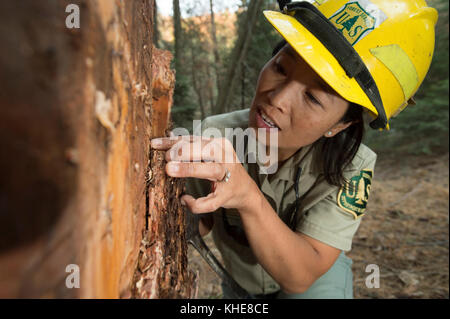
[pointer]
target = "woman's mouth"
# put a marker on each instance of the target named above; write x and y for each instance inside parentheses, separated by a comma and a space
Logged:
(263, 120)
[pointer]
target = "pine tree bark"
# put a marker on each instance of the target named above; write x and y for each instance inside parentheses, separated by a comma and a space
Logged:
(80, 185)
(238, 56)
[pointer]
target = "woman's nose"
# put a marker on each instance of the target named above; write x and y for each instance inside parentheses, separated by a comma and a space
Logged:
(282, 97)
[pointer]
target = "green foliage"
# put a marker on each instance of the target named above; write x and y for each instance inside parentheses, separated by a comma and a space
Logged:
(423, 128)
(184, 107)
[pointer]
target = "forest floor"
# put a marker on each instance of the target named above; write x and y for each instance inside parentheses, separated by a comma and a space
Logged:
(405, 232)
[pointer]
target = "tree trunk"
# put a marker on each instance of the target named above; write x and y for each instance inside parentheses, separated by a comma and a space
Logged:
(197, 87)
(79, 184)
(217, 62)
(156, 34)
(210, 89)
(238, 55)
(177, 35)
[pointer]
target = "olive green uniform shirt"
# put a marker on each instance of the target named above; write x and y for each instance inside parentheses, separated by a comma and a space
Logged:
(326, 213)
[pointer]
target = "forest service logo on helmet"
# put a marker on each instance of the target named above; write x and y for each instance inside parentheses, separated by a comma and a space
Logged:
(357, 19)
(353, 198)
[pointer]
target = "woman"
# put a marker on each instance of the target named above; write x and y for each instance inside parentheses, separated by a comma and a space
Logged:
(283, 235)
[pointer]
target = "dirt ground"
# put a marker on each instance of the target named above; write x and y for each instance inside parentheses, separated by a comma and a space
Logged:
(405, 232)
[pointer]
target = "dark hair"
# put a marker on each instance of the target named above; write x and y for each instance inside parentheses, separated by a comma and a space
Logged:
(338, 151)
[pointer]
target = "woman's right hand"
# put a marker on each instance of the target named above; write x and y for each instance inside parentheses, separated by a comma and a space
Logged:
(212, 159)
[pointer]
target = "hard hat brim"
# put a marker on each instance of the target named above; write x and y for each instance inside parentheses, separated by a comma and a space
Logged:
(319, 59)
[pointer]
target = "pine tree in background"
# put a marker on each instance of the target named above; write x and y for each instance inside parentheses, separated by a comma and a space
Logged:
(183, 108)
(238, 55)
(262, 43)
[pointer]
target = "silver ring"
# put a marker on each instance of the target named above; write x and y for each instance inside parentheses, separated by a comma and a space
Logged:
(226, 178)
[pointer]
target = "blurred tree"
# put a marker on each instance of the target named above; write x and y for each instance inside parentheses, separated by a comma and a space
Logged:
(156, 35)
(177, 34)
(262, 42)
(217, 63)
(183, 107)
(198, 62)
(201, 61)
(238, 54)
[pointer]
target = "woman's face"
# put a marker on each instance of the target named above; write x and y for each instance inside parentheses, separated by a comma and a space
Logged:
(300, 104)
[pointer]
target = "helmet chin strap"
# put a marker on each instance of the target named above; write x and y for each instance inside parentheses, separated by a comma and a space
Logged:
(283, 3)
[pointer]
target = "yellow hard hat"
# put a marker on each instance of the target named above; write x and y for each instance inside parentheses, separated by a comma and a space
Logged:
(374, 53)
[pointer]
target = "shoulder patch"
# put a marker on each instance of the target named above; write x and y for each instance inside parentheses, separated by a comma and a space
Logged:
(354, 196)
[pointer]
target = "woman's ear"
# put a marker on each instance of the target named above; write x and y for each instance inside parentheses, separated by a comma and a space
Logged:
(339, 127)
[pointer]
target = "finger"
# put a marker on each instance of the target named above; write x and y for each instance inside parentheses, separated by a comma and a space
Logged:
(164, 143)
(215, 149)
(196, 150)
(211, 171)
(201, 205)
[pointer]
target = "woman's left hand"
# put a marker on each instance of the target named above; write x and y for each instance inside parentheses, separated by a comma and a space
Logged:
(208, 158)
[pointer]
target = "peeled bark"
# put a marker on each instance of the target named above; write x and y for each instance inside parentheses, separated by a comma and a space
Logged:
(80, 185)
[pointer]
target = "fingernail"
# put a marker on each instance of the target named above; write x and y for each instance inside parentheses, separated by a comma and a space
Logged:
(182, 202)
(156, 142)
(173, 168)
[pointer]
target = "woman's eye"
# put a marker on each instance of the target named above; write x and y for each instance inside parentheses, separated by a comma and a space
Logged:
(312, 98)
(279, 68)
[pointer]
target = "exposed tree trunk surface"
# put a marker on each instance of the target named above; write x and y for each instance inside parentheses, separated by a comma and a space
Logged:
(237, 56)
(79, 183)
(162, 268)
